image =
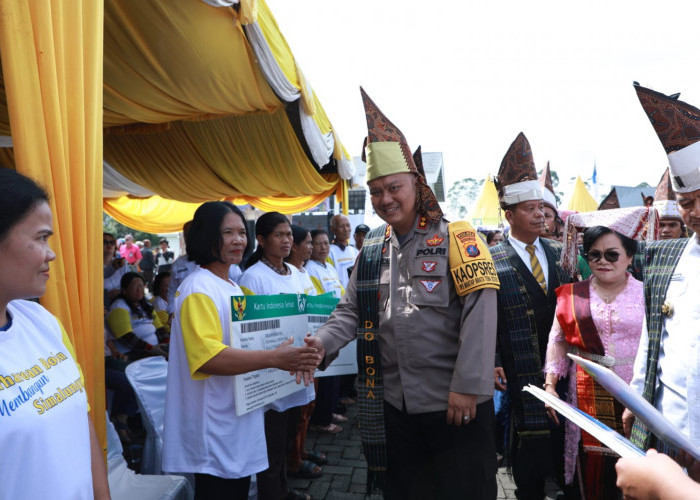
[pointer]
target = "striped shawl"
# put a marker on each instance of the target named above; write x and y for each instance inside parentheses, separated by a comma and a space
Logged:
(661, 258)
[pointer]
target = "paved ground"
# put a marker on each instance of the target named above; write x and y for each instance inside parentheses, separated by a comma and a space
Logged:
(346, 471)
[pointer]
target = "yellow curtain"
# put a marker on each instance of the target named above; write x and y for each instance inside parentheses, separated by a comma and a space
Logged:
(195, 161)
(155, 56)
(52, 66)
(160, 215)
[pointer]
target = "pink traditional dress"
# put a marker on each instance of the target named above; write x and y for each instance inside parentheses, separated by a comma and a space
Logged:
(607, 333)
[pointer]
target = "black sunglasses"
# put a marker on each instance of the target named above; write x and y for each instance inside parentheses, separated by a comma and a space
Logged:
(109, 242)
(609, 255)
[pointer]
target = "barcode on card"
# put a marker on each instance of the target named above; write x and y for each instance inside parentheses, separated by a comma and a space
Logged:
(317, 319)
(256, 326)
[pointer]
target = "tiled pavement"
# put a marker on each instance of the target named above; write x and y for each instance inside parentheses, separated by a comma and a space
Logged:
(346, 471)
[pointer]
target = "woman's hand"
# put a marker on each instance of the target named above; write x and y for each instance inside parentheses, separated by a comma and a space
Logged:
(295, 359)
(654, 476)
(159, 350)
(627, 422)
(551, 412)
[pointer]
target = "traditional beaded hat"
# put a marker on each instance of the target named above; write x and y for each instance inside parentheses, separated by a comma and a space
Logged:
(387, 153)
(517, 178)
(678, 126)
(547, 189)
(665, 199)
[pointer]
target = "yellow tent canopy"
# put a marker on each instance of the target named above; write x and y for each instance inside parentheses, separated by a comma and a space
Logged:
(159, 106)
(206, 103)
(486, 211)
(581, 200)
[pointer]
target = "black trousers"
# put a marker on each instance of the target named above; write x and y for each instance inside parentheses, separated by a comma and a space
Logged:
(536, 458)
(207, 487)
(427, 458)
(280, 429)
(326, 400)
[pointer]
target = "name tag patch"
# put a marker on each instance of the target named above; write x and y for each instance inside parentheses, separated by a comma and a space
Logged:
(430, 285)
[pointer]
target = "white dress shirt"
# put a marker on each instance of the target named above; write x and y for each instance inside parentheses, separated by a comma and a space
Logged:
(519, 247)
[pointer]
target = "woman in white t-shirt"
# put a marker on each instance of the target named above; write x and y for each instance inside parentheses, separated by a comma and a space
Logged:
(268, 274)
(299, 254)
(323, 274)
(133, 322)
(202, 433)
(325, 278)
(161, 284)
(46, 436)
(114, 267)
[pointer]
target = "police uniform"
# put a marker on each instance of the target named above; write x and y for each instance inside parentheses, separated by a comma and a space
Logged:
(432, 341)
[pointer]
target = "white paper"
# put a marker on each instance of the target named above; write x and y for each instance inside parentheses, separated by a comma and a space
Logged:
(609, 437)
(641, 408)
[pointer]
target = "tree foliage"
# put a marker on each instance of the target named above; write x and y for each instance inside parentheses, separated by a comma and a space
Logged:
(119, 230)
(462, 195)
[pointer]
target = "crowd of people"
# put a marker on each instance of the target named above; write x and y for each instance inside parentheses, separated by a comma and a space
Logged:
(448, 320)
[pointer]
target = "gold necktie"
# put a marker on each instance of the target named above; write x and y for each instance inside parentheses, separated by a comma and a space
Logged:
(536, 268)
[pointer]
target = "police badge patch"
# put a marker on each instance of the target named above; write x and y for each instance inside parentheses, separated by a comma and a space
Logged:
(428, 266)
(430, 285)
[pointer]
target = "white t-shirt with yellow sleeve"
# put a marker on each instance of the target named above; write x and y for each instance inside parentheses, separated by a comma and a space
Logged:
(305, 279)
(325, 278)
(44, 432)
(122, 320)
(202, 433)
(160, 307)
(262, 280)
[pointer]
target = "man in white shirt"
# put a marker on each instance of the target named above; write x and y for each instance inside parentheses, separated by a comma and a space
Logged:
(666, 370)
(342, 254)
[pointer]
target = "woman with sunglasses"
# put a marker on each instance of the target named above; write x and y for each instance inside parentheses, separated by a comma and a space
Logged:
(598, 319)
(114, 267)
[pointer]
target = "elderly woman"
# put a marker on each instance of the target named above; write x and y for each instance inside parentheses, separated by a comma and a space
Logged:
(46, 435)
(268, 274)
(221, 448)
(598, 319)
(425, 342)
(133, 322)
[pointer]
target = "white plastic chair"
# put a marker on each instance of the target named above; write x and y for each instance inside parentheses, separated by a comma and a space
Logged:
(125, 484)
(148, 378)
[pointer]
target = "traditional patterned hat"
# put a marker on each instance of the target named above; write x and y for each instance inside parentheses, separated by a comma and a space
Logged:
(665, 199)
(517, 178)
(387, 153)
(638, 223)
(547, 189)
(678, 126)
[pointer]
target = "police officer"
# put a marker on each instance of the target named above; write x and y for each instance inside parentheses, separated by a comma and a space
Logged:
(426, 346)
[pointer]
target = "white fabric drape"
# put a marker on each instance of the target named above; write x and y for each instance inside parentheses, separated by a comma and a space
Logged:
(221, 3)
(115, 184)
(320, 145)
(274, 75)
